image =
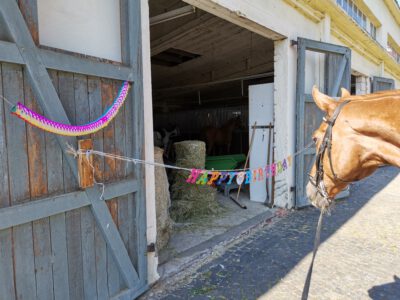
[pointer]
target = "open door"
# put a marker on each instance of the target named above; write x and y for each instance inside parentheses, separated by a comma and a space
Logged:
(327, 66)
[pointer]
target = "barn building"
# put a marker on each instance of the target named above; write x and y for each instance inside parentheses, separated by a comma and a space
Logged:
(192, 64)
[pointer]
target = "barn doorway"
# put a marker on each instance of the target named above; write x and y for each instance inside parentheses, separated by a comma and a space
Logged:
(202, 68)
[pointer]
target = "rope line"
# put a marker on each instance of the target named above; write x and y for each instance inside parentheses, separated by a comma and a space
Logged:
(75, 153)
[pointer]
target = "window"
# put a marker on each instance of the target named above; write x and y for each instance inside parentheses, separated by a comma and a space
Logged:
(372, 31)
(393, 53)
(356, 14)
(86, 27)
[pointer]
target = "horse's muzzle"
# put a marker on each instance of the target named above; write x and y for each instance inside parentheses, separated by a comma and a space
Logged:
(315, 197)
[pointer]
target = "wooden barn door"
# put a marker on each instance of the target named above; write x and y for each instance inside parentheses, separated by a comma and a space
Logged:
(335, 68)
(57, 241)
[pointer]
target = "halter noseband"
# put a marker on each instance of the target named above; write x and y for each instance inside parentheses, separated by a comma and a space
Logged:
(318, 179)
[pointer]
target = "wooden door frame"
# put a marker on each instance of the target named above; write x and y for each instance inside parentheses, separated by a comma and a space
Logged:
(35, 61)
(344, 69)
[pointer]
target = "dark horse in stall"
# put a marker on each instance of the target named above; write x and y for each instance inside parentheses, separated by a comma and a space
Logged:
(359, 134)
(219, 140)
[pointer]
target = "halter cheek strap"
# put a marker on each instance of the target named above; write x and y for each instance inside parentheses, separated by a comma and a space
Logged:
(326, 145)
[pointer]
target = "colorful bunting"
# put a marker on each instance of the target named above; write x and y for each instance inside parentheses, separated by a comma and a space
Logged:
(242, 176)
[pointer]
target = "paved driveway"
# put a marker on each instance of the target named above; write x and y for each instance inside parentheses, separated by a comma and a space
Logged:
(359, 257)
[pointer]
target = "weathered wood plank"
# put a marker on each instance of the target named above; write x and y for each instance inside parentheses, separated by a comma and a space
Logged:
(72, 218)
(30, 12)
(55, 181)
(7, 288)
(120, 148)
(107, 94)
(16, 136)
(87, 222)
(25, 284)
(137, 57)
(43, 259)
(24, 265)
(95, 111)
(38, 184)
(59, 250)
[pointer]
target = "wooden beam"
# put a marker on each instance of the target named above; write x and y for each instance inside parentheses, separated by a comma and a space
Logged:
(86, 66)
(9, 53)
(46, 207)
(167, 41)
(68, 62)
(120, 188)
(34, 210)
(172, 14)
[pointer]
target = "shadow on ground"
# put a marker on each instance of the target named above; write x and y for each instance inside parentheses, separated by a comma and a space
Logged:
(388, 291)
(251, 268)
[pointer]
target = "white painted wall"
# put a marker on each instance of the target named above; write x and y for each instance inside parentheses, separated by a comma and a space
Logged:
(389, 24)
(90, 27)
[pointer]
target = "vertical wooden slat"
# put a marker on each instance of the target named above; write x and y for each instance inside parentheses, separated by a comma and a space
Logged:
(38, 183)
(120, 148)
(137, 95)
(72, 218)
(29, 11)
(87, 222)
(95, 111)
(55, 184)
(107, 94)
(19, 185)
(7, 288)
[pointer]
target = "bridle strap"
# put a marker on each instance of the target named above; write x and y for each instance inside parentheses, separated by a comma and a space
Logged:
(318, 182)
(326, 145)
(330, 124)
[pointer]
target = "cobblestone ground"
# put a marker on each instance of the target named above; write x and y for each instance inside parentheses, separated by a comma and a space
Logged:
(359, 256)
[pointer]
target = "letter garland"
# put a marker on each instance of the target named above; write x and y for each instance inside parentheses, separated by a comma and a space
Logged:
(243, 176)
(43, 123)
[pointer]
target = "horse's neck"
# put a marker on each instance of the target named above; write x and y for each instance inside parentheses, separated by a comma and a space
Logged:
(379, 118)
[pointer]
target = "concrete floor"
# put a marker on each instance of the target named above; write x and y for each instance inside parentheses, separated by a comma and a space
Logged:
(195, 232)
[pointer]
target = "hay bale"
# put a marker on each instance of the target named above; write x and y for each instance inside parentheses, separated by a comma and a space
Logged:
(163, 202)
(190, 200)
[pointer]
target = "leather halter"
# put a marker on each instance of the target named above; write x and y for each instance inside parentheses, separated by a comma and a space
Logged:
(318, 179)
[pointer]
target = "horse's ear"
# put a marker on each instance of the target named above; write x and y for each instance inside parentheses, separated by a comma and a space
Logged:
(345, 93)
(323, 101)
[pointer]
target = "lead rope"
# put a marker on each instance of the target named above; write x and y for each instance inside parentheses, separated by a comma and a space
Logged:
(317, 241)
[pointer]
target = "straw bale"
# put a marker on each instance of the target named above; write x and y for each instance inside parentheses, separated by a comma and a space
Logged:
(191, 200)
(163, 202)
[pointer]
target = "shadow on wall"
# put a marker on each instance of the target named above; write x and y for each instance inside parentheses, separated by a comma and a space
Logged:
(386, 291)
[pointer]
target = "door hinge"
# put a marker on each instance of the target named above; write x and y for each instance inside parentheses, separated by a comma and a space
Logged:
(151, 247)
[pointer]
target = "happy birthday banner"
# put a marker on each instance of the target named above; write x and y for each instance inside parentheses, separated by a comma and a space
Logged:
(198, 176)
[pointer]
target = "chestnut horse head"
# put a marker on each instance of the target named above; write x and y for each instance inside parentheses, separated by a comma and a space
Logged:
(358, 134)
